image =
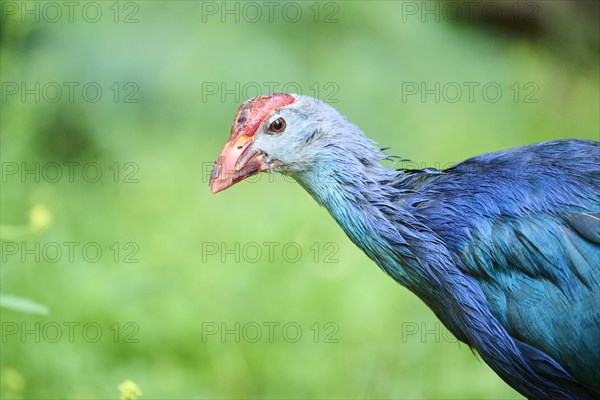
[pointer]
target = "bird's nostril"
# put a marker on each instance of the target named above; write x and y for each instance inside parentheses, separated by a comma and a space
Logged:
(239, 147)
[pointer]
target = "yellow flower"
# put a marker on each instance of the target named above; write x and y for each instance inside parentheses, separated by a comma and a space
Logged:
(39, 218)
(129, 390)
(12, 380)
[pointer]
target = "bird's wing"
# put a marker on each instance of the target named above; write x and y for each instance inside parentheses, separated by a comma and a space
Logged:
(541, 276)
(525, 224)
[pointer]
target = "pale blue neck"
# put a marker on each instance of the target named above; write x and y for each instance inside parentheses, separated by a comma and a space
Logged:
(362, 206)
(365, 204)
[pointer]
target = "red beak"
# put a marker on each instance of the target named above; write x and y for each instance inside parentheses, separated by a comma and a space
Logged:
(236, 162)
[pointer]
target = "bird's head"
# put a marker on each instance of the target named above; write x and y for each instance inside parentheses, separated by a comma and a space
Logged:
(285, 133)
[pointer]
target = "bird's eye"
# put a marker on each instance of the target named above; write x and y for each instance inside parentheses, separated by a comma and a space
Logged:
(278, 125)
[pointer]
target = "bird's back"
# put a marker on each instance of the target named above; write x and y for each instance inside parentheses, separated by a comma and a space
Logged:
(525, 224)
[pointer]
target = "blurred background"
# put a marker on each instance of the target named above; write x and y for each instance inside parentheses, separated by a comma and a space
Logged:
(121, 273)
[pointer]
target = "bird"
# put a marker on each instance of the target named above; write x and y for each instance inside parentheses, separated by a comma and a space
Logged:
(503, 247)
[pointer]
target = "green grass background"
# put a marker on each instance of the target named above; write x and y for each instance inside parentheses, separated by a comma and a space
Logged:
(173, 134)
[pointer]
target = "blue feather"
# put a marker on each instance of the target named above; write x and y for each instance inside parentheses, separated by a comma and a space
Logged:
(504, 247)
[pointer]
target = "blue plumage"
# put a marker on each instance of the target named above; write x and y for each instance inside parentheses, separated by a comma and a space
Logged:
(503, 247)
(525, 225)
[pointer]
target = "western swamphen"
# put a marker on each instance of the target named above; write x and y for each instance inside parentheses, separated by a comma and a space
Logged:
(503, 247)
